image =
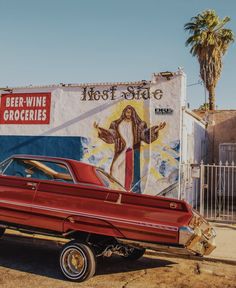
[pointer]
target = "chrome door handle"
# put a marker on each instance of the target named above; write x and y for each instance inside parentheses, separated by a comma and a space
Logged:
(32, 185)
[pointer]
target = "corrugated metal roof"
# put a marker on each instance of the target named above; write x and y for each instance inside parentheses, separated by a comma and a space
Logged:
(76, 85)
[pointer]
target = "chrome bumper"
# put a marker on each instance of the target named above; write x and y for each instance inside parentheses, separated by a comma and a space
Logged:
(199, 239)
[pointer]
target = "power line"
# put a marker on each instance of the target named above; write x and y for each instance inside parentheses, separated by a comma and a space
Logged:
(200, 82)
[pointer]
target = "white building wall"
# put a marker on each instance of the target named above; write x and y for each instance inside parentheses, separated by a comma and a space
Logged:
(193, 152)
(194, 138)
(70, 130)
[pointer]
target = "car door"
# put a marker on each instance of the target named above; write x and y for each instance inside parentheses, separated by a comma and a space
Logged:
(52, 196)
(17, 191)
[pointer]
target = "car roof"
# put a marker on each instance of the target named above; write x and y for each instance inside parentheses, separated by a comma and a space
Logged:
(84, 172)
(48, 158)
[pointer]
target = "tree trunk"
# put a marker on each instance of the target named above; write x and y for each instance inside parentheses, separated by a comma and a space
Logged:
(212, 99)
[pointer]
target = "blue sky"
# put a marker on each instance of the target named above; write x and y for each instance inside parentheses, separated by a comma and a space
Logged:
(76, 41)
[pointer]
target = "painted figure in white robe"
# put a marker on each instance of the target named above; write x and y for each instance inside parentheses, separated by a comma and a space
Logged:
(126, 133)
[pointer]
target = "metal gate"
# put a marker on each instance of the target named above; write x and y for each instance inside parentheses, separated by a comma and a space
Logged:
(211, 189)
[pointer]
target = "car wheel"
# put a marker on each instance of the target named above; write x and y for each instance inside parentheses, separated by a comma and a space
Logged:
(134, 254)
(2, 230)
(77, 261)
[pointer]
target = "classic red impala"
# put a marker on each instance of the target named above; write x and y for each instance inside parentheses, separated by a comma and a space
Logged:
(67, 198)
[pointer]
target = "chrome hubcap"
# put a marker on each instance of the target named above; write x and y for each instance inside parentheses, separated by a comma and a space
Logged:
(74, 262)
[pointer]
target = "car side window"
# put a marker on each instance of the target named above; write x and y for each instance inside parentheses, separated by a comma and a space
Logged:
(39, 169)
(15, 168)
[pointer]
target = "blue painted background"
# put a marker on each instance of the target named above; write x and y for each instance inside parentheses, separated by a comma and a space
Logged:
(58, 146)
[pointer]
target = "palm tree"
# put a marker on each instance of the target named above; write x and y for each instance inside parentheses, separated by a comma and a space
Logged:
(204, 107)
(209, 41)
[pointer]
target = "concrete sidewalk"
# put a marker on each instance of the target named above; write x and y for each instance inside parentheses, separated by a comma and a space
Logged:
(225, 242)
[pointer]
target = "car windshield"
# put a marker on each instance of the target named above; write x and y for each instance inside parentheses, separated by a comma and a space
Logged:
(4, 165)
(109, 181)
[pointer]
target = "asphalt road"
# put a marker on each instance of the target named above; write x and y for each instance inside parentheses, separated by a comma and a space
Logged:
(31, 264)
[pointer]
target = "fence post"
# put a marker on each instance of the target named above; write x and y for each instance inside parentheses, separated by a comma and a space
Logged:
(202, 188)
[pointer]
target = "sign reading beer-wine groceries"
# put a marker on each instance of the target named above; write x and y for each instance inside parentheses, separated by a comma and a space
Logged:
(25, 108)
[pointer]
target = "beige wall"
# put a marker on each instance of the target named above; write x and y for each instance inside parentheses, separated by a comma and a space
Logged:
(221, 129)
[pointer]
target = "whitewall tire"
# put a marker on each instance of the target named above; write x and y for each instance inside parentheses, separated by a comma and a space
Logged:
(77, 261)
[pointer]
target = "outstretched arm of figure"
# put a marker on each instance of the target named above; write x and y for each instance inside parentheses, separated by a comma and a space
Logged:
(107, 136)
(151, 134)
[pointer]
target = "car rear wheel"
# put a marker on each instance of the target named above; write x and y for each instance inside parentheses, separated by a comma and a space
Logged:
(134, 254)
(2, 230)
(77, 261)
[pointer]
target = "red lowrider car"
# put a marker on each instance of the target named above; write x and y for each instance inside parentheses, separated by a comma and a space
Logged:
(67, 198)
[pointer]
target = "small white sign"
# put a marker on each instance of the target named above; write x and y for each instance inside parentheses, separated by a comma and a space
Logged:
(195, 172)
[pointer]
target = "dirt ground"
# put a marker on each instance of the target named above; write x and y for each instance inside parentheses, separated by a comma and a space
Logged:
(30, 264)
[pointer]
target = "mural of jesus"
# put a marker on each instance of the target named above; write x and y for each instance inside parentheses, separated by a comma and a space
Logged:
(127, 133)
